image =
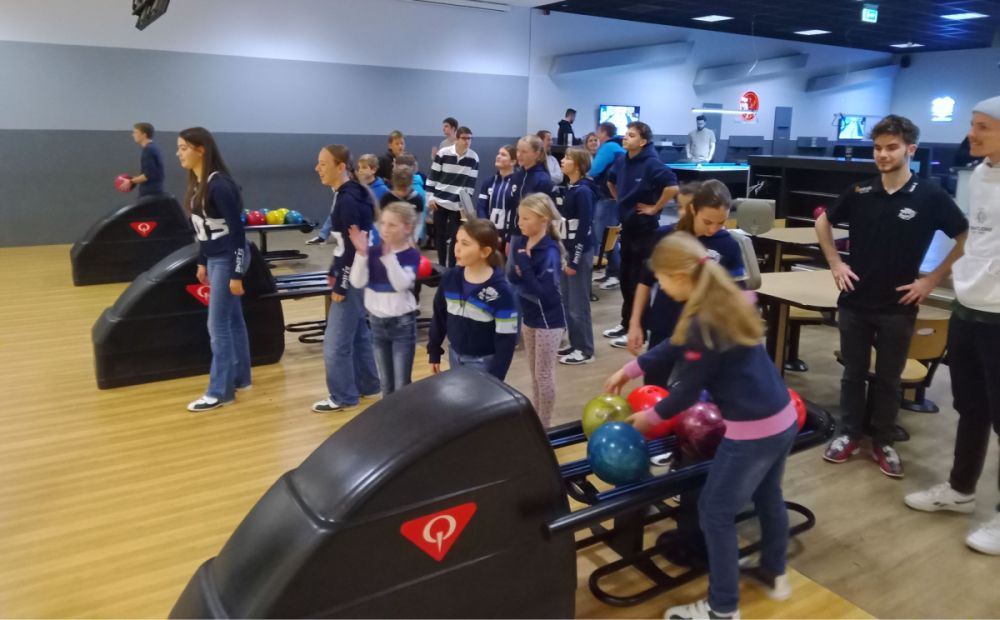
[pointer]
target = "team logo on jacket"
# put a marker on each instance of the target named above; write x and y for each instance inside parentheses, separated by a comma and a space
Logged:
(859, 189)
(715, 256)
(907, 213)
(488, 294)
(201, 292)
(434, 534)
(692, 356)
(143, 228)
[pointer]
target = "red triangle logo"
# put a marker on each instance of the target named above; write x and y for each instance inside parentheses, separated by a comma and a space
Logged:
(434, 534)
(143, 228)
(199, 292)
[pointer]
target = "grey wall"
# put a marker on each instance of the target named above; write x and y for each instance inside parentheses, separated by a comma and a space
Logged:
(55, 184)
(68, 113)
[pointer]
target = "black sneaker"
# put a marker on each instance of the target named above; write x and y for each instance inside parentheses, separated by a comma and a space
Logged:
(316, 241)
(576, 358)
(615, 332)
(329, 406)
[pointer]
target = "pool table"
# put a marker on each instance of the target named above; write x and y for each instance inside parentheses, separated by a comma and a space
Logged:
(735, 176)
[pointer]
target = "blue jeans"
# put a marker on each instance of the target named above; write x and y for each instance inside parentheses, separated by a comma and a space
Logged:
(227, 332)
(576, 302)
(742, 471)
(395, 340)
(455, 359)
(347, 351)
(324, 230)
(606, 214)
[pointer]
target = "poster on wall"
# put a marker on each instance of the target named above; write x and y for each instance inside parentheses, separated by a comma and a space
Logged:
(750, 106)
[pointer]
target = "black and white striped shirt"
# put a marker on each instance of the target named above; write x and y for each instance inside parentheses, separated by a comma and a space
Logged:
(451, 174)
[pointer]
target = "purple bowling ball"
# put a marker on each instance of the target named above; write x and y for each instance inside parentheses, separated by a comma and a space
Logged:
(700, 430)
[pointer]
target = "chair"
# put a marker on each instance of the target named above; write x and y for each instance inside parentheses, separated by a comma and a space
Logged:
(611, 234)
(751, 268)
(927, 349)
(755, 216)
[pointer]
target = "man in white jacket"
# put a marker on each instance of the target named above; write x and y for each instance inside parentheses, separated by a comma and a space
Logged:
(974, 336)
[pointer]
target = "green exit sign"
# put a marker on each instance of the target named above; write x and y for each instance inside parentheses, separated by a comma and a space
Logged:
(869, 13)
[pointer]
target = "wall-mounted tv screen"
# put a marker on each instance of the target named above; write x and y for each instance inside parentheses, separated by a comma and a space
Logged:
(851, 127)
(620, 115)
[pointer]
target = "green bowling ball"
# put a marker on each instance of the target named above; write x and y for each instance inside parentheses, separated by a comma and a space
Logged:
(604, 408)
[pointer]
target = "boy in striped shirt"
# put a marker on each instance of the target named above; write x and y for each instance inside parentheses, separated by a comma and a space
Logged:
(454, 170)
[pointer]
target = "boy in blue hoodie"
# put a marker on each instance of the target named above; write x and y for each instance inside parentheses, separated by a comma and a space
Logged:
(606, 211)
(642, 185)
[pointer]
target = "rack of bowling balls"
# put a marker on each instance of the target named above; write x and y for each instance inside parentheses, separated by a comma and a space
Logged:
(636, 481)
(263, 221)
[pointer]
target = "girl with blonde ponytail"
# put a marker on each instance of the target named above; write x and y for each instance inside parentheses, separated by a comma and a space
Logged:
(536, 263)
(717, 346)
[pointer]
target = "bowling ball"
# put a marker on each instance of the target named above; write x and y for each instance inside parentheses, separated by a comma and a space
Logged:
(699, 431)
(294, 217)
(243, 216)
(426, 268)
(800, 407)
(618, 454)
(274, 217)
(120, 182)
(256, 218)
(662, 428)
(646, 397)
(283, 212)
(818, 211)
(604, 408)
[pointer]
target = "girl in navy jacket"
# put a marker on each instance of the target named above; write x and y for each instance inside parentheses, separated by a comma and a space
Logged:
(215, 204)
(495, 201)
(474, 307)
(347, 341)
(577, 208)
(717, 343)
(532, 177)
(536, 257)
(704, 209)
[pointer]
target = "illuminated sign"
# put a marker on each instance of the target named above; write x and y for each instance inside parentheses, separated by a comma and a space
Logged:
(942, 109)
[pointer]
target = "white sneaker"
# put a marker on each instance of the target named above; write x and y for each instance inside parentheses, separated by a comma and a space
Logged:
(207, 403)
(697, 611)
(621, 342)
(986, 539)
(941, 497)
(328, 406)
(609, 284)
(598, 275)
(576, 358)
(777, 587)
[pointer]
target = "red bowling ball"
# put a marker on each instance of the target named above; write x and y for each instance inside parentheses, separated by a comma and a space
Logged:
(426, 268)
(256, 218)
(800, 407)
(120, 183)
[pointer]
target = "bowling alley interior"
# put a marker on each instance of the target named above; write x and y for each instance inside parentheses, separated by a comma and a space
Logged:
(225, 222)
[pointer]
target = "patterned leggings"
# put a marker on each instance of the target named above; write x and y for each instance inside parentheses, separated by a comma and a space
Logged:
(542, 346)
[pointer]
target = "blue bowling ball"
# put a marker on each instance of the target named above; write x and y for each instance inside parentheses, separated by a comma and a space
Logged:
(243, 216)
(617, 453)
(294, 217)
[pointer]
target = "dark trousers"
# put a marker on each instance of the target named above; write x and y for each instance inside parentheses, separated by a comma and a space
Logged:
(974, 362)
(446, 224)
(636, 248)
(890, 335)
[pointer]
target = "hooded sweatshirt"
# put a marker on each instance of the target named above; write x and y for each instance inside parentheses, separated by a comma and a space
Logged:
(534, 180)
(495, 200)
(576, 205)
(536, 280)
(352, 206)
(640, 180)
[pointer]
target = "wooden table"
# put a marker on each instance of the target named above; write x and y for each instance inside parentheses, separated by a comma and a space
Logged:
(803, 235)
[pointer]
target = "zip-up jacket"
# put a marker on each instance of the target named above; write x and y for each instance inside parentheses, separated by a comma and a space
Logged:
(604, 159)
(525, 182)
(494, 199)
(576, 205)
(218, 228)
(536, 281)
(640, 180)
(352, 206)
(482, 323)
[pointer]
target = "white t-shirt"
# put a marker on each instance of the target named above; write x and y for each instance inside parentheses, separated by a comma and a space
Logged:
(976, 274)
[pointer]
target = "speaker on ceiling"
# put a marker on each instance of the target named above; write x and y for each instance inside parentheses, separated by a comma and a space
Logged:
(905, 61)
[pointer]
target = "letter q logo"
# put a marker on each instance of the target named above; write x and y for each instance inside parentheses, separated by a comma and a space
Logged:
(436, 533)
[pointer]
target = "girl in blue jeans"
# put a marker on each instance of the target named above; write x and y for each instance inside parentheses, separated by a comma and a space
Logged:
(214, 201)
(347, 341)
(717, 346)
(387, 272)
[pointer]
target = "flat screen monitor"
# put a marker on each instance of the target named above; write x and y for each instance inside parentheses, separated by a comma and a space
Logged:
(851, 127)
(620, 115)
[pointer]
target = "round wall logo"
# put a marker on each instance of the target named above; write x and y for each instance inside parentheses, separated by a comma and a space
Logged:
(750, 102)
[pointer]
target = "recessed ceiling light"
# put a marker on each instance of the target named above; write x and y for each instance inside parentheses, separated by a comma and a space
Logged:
(966, 15)
(906, 45)
(811, 33)
(711, 18)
